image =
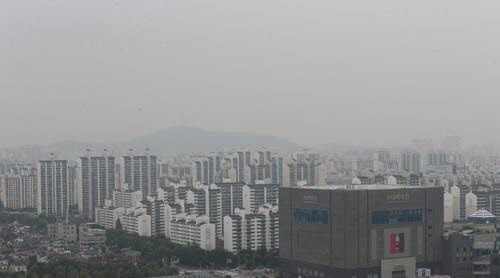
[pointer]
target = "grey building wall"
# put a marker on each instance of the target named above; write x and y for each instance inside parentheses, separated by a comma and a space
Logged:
(457, 259)
(348, 242)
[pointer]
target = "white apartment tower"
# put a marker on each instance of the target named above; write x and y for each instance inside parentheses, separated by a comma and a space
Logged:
(410, 161)
(256, 195)
(193, 230)
(455, 192)
(53, 191)
(20, 191)
(252, 231)
(470, 204)
(448, 207)
(140, 173)
(97, 181)
(125, 198)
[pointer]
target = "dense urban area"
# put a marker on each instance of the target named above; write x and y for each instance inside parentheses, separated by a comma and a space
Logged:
(419, 211)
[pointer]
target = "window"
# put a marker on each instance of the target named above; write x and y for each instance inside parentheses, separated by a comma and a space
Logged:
(399, 274)
(396, 216)
(310, 216)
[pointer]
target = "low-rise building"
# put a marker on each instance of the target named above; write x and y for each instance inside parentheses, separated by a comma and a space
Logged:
(89, 235)
(62, 231)
(126, 198)
(457, 255)
(193, 230)
(136, 221)
(108, 216)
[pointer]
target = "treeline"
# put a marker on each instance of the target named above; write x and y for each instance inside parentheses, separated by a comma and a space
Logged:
(27, 219)
(12, 275)
(159, 249)
(76, 269)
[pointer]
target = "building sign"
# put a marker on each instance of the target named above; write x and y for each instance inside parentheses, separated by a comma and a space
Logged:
(311, 199)
(310, 216)
(403, 197)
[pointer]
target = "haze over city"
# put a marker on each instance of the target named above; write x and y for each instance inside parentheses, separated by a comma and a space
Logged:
(249, 139)
(360, 73)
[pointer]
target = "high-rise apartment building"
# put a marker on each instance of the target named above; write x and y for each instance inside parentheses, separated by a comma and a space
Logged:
(410, 161)
(53, 190)
(141, 173)
(231, 197)
(256, 195)
(20, 191)
(97, 181)
(207, 201)
(257, 230)
(156, 209)
(311, 172)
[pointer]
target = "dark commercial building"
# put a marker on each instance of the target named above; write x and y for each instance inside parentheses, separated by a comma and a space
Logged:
(457, 255)
(361, 231)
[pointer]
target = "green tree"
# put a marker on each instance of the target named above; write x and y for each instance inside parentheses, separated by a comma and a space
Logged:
(118, 226)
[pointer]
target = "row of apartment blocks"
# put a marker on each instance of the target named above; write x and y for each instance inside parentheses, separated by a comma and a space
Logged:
(409, 160)
(235, 216)
(267, 166)
(57, 187)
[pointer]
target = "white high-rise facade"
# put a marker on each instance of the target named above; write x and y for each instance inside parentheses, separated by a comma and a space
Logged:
(252, 231)
(53, 191)
(448, 207)
(470, 204)
(97, 181)
(141, 173)
(256, 195)
(410, 161)
(193, 230)
(455, 192)
(20, 191)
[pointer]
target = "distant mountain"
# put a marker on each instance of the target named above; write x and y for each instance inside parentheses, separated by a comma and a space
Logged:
(184, 139)
(181, 139)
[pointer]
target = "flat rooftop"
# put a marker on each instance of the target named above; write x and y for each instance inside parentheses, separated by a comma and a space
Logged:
(364, 187)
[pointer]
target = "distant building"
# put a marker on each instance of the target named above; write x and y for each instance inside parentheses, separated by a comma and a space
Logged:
(97, 181)
(410, 161)
(141, 173)
(126, 198)
(252, 231)
(458, 257)
(90, 236)
(193, 230)
(156, 209)
(20, 191)
(256, 195)
(231, 197)
(53, 195)
(136, 221)
(108, 216)
(62, 231)
(448, 207)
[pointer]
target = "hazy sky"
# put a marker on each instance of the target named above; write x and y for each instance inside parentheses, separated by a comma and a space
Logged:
(358, 72)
